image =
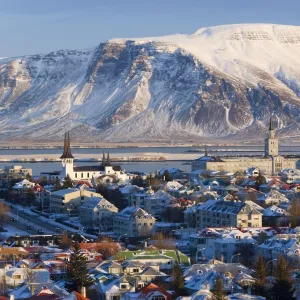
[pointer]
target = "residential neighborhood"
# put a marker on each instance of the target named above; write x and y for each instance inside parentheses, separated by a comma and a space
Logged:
(99, 232)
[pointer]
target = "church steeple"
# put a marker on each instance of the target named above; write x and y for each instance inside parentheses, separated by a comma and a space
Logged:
(108, 159)
(205, 151)
(103, 159)
(67, 147)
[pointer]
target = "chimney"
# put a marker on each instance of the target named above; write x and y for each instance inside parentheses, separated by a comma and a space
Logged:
(11, 297)
(83, 291)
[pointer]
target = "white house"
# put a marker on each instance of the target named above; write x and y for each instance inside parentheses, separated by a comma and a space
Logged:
(273, 197)
(24, 185)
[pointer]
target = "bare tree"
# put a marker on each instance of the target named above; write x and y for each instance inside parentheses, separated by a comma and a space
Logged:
(3, 285)
(294, 211)
(163, 241)
(107, 247)
(30, 275)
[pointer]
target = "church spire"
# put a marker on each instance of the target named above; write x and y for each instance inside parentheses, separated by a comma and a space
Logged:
(107, 159)
(205, 151)
(67, 147)
(103, 159)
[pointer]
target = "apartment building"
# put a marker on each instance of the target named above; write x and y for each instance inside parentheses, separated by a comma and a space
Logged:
(69, 200)
(221, 213)
(97, 213)
(133, 222)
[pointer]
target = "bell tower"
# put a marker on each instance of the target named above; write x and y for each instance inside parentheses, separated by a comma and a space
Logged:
(271, 142)
(67, 158)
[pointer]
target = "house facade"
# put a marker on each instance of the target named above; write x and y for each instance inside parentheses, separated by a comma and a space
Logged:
(221, 213)
(133, 222)
(97, 213)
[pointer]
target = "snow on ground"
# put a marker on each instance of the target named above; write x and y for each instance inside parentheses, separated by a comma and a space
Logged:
(87, 156)
(11, 231)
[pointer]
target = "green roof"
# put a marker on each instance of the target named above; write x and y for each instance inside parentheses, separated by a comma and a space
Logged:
(148, 254)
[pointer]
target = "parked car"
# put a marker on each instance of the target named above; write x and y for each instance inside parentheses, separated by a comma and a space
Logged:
(29, 227)
(13, 219)
(40, 231)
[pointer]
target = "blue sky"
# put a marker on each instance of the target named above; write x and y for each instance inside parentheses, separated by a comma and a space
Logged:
(41, 26)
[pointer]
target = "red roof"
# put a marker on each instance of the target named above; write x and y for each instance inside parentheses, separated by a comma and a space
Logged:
(80, 182)
(154, 288)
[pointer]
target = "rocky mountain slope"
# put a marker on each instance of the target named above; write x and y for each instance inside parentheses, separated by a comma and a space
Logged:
(223, 81)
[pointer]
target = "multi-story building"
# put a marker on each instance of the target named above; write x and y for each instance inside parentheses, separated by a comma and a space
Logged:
(221, 213)
(69, 200)
(270, 163)
(97, 213)
(153, 203)
(133, 222)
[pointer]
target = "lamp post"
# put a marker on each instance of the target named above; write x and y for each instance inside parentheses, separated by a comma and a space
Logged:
(197, 253)
(238, 254)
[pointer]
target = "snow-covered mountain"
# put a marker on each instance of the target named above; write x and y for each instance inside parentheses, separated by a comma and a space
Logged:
(219, 81)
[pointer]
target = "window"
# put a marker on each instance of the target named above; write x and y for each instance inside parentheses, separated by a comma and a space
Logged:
(88, 175)
(16, 276)
(158, 297)
(81, 175)
(123, 286)
(75, 175)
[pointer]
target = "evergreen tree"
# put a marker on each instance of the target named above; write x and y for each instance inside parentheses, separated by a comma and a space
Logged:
(57, 185)
(67, 182)
(259, 180)
(102, 190)
(167, 176)
(77, 272)
(283, 287)
(139, 181)
(261, 277)
(28, 177)
(218, 289)
(178, 280)
(30, 195)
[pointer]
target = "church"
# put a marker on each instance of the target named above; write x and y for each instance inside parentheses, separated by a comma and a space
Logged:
(271, 163)
(88, 172)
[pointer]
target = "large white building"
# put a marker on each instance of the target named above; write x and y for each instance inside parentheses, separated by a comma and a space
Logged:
(271, 163)
(87, 172)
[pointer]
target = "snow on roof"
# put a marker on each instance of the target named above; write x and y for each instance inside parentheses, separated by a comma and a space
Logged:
(65, 192)
(236, 236)
(274, 211)
(97, 202)
(224, 207)
(132, 212)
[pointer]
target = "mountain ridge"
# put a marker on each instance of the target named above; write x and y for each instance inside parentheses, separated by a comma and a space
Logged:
(222, 81)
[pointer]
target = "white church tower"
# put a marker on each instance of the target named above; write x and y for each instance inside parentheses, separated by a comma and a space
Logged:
(271, 142)
(67, 158)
